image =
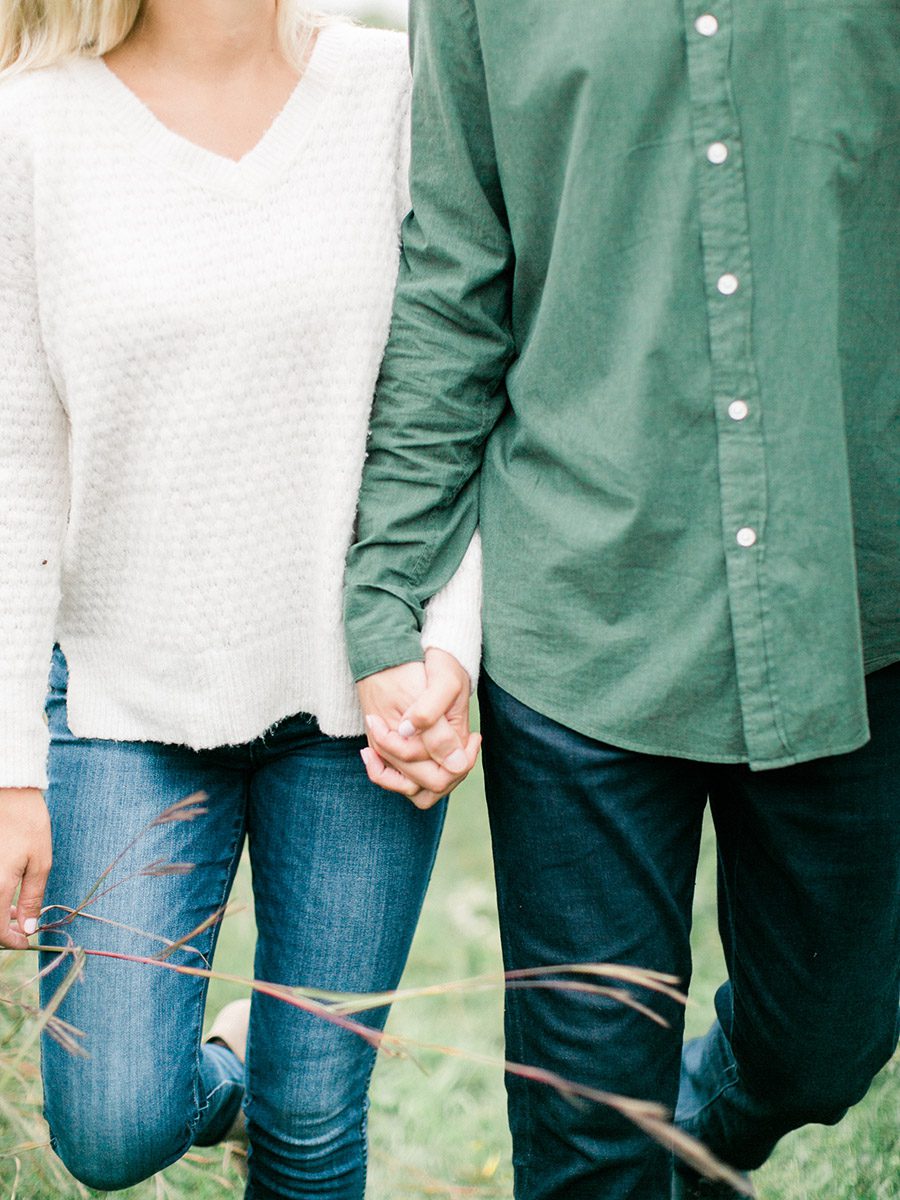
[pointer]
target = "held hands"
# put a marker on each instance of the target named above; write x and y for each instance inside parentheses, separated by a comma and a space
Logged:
(417, 719)
(24, 858)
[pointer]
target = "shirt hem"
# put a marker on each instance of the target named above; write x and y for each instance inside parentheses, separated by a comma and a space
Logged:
(880, 661)
(695, 754)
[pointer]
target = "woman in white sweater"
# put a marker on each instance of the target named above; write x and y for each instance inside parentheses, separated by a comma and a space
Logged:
(199, 215)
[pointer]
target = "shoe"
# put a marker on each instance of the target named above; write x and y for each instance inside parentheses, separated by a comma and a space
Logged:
(230, 1028)
(688, 1185)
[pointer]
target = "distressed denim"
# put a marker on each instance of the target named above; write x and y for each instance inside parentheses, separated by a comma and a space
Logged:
(340, 869)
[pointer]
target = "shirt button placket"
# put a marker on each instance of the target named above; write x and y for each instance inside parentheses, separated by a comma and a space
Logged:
(726, 258)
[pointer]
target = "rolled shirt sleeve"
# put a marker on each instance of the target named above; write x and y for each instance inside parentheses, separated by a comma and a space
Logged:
(441, 389)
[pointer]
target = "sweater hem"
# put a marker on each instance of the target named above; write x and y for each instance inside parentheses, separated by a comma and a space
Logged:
(223, 697)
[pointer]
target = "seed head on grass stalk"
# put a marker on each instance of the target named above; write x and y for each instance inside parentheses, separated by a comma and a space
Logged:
(652, 1118)
(188, 809)
(340, 1008)
(20, 1107)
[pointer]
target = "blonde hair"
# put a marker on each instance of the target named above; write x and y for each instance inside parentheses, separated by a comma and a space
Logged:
(38, 33)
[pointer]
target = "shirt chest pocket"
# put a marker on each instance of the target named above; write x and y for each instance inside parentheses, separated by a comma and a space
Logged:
(844, 62)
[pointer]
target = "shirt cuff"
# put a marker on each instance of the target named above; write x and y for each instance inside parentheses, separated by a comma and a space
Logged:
(381, 653)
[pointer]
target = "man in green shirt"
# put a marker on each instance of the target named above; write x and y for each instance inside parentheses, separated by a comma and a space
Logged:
(647, 337)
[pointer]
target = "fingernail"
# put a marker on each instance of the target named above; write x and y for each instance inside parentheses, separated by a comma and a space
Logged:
(457, 761)
(29, 926)
(407, 729)
(372, 760)
(370, 721)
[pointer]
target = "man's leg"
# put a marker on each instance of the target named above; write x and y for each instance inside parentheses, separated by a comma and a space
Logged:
(595, 851)
(809, 888)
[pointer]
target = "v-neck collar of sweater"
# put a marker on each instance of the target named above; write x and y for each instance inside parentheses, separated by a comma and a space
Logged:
(265, 162)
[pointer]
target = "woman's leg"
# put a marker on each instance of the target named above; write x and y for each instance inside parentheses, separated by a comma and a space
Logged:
(145, 1090)
(340, 869)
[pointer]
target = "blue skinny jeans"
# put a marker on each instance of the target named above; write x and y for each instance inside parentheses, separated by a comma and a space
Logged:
(340, 869)
(595, 850)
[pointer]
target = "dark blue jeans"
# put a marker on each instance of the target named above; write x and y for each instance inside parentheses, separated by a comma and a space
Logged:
(340, 868)
(595, 850)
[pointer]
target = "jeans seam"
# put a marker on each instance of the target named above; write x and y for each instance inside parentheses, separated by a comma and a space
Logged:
(225, 1083)
(735, 941)
(692, 1121)
(515, 1046)
(731, 1074)
(201, 1109)
(529, 1118)
(364, 1129)
(364, 1118)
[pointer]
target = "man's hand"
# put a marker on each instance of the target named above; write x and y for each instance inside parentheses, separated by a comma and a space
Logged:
(25, 855)
(417, 717)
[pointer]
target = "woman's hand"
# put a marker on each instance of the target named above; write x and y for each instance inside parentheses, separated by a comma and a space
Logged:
(25, 856)
(417, 716)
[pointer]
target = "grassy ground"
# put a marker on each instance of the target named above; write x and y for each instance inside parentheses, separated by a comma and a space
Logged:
(438, 1127)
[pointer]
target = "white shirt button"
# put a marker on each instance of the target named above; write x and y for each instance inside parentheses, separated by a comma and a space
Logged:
(746, 537)
(717, 153)
(706, 25)
(727, 284)
(738, 410)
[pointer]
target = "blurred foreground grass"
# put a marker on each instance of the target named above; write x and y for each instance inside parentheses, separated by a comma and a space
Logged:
(438, 1128)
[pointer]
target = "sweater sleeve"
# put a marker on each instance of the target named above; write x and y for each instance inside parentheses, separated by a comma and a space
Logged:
(33, 484)
(453, 616)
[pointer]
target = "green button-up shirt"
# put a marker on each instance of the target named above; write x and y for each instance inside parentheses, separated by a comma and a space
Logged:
(647, 335)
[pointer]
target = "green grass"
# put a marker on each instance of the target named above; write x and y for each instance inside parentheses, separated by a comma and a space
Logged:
(438, 1127)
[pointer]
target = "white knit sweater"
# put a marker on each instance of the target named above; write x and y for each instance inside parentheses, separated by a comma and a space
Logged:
(188, 352)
